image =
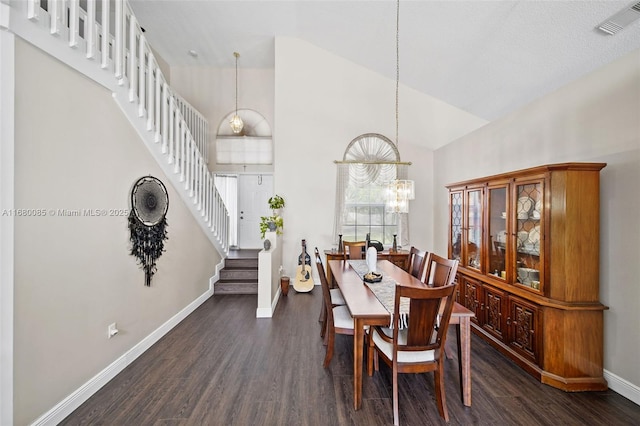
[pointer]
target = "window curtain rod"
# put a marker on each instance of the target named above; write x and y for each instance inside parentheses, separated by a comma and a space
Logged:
(400, 163)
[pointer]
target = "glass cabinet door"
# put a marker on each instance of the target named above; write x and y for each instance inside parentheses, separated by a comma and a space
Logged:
(497, 217)
(473, 249)
(529, 213)
(455, 218)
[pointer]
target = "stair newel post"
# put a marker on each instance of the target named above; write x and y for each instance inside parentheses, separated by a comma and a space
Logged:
(104, 57)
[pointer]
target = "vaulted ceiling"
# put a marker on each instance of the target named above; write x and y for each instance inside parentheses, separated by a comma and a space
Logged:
(484, 57)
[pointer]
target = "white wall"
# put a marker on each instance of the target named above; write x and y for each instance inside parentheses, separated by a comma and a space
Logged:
(73, 275)
(212, 92)
(594, 119)
(322, 103)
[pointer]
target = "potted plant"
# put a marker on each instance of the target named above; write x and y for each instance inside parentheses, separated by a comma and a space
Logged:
(273, 222)
(276, 203)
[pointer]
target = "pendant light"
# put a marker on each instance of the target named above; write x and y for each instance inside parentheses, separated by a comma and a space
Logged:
(236, 122)
(399, 191)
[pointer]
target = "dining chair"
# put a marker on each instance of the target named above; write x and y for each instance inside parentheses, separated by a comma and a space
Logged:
(417, 262)
(338, 320)
(354, 249)
(439, 270)
(418, 348)
(336, 299)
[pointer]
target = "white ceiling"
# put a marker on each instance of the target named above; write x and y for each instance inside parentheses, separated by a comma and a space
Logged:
(485, 57)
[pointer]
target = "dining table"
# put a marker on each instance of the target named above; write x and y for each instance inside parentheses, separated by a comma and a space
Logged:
(367, 310)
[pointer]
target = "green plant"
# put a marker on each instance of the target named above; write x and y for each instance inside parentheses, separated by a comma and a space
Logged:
(264, 224)
(276, 202)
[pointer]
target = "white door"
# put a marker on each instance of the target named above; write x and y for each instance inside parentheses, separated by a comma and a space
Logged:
(254, 192)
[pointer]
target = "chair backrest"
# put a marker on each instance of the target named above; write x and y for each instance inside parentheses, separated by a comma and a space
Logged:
(354, 249)
(326, 294)
(439, 271)
(417, 262)
(429, 314)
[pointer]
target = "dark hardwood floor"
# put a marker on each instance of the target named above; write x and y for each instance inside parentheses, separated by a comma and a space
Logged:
(222, 366)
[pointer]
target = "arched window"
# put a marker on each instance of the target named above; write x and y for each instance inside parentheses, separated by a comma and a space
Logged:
(370, 162)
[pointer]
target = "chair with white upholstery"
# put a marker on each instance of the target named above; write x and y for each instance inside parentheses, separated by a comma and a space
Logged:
(336, 299)
(419, 347)
(338, 320)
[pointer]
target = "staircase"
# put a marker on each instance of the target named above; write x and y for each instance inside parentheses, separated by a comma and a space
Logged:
(240, 273)
(116, 55)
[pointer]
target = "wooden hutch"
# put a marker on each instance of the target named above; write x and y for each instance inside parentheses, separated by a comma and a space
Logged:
(528, 245)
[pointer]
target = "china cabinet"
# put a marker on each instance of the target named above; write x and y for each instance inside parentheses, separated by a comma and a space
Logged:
(528, 246)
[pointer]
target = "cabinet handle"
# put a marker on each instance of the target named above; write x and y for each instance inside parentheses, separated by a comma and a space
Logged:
(508, 320)
(482, 306)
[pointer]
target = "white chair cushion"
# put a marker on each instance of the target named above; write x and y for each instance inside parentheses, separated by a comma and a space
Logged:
(403, 356)
(336, 297)
(342, 318)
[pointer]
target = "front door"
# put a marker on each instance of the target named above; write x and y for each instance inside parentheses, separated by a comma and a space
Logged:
(254, 192)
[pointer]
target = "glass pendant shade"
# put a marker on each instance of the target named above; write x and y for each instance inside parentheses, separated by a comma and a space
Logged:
(399, 192)
(236, 123)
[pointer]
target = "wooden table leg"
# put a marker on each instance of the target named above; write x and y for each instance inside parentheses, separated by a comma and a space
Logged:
(358, 342)
(463, 334)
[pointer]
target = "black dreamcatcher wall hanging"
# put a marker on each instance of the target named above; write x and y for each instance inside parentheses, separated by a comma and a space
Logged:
(148, 223)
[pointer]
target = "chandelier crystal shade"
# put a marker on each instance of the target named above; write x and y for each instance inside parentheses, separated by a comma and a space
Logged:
(236, 122)
(399, 191)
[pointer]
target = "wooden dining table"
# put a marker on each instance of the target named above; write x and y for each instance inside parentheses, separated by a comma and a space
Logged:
(366, 309)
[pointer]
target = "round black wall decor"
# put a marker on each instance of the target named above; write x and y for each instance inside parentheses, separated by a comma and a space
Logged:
(148, 222)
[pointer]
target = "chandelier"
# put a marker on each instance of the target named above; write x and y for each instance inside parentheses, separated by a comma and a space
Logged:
(236, 122)
(399, 191)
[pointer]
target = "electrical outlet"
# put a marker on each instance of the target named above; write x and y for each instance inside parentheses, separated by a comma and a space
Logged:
(112, 330)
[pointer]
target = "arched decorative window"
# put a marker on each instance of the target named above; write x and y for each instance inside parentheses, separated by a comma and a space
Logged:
(370, 162)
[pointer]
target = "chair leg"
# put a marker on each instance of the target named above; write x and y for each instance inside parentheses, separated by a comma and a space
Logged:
(323, 313)
(441, 400)
(396, 417)
(323, 322)
(330, 337)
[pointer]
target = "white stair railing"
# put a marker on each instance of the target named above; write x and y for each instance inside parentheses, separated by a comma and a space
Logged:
(175, 130)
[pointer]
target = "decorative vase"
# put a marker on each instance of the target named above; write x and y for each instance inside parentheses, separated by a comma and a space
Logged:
(272, 226)
(284, 285)
(395, 243)
(340, 244)
(267, 244)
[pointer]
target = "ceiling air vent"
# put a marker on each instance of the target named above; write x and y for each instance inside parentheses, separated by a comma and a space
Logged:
(620, 20)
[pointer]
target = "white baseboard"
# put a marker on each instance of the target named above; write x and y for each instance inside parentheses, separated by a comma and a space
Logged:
(214, 279)
(84, 392)
(268, 312)
(623, 387)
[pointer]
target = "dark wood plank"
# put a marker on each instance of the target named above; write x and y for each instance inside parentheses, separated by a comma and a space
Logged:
(223, 366)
